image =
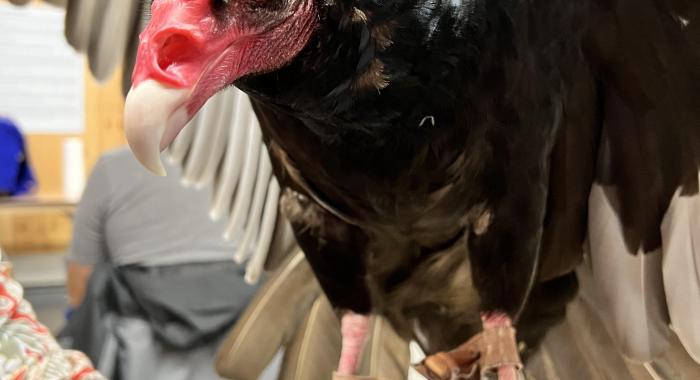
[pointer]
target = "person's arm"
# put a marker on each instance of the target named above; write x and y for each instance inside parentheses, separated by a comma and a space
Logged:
(77, 276)
(88, 246)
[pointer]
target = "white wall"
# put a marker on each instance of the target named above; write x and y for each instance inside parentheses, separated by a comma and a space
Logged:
(41, 77)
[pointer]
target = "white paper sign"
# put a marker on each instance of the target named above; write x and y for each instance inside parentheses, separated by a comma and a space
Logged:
(41, 77)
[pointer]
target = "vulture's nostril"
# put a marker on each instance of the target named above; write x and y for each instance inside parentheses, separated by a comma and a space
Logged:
(175, 49)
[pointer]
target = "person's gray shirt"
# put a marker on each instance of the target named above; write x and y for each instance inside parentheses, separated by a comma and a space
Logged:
(130, 216)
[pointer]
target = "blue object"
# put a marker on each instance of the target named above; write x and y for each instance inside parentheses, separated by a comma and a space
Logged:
(69, 313)
(16, 175)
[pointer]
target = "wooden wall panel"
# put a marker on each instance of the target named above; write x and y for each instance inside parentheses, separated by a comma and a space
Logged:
(46, 156)
(35, 229)
(104, 106)
(104, 109)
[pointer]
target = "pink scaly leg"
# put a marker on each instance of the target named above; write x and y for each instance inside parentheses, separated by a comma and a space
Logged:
(495, 320)
(353, 328)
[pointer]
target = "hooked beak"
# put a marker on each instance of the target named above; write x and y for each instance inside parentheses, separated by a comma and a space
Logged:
(184, 58)
(172, 75)
(153, 115)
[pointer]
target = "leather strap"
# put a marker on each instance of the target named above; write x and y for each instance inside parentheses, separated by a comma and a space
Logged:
(498, 349)
(478, 358)
(299, 179)
(462, 363)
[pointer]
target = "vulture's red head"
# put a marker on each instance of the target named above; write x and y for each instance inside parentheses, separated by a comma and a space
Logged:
(193, 48)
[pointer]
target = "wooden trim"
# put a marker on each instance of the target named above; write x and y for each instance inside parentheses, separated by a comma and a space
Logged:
(104, 115)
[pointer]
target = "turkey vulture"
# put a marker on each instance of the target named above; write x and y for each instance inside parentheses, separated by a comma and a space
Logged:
(435, 158)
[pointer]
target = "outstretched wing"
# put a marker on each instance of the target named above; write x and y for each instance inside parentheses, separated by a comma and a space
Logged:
(647, 56)
(102, 29)
(223, 145)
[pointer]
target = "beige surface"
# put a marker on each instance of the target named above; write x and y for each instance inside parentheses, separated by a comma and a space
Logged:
(104, 109)
(581, 348)
(29, 229)
(45, 153)
(578, 349)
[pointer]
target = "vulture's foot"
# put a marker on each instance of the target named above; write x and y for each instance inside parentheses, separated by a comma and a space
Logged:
(491, 354)
(353, 329)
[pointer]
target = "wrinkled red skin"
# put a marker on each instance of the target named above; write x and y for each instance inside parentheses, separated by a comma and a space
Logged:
(186, 46)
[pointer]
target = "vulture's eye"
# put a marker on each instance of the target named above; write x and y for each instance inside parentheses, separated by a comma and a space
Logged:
(220, 4)
(220, 8)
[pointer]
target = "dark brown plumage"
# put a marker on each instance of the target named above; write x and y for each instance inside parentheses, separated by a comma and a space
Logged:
(437, 156)
(529, 111)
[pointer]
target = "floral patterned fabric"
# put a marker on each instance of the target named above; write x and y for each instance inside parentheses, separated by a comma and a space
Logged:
(28, 351)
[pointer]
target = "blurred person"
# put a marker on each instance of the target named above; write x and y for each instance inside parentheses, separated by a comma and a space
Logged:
(150, 278)
(27, 348)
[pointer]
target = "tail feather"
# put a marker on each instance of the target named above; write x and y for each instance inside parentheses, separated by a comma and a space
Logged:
(680, 232)
(629, 287)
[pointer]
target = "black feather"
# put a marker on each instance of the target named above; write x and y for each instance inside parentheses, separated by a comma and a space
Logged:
(521, 98)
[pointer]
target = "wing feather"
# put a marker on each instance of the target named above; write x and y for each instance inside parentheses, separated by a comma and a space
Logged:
(78, 23)
(257, 262)
(315, 350)
(239, 211)
(629, 287)
(646, 54)
(112, 23)
(218, 140)
(203, 139)
(229, 174)
(649, 74)
(271, 320)
(681, 269)
(264, 172)
(386, 355)
(180, 147)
